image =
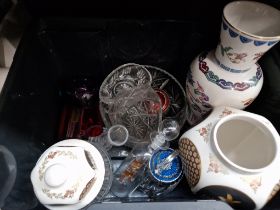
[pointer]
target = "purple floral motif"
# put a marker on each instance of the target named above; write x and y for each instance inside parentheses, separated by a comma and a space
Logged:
(200, 92)
(223, 83)
(200, 97)
(241, 86)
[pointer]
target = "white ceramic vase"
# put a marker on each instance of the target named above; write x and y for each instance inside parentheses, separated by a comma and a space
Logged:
(233, 156)
(230, 75)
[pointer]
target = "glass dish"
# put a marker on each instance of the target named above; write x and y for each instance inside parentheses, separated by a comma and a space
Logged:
(123, 78)
(139, 110)
(171, 93)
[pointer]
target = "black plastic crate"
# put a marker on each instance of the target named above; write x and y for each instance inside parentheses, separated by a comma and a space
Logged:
(53, 50)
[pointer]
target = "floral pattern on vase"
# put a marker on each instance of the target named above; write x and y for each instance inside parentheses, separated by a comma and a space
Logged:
(222, 88)
(233, 56)
(248, 101)
(258, 55)
(225, 112)
(243, 44)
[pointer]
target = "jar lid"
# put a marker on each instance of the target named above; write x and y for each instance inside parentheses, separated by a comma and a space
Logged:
(164, 170)
(68, 175)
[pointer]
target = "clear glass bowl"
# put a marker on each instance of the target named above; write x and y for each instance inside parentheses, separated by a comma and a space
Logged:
(123, 78)
(171, 93)
(139, 110)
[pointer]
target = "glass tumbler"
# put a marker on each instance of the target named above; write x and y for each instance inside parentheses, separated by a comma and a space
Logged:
(117, 135)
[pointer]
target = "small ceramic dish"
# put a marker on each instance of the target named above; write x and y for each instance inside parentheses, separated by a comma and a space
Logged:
(71, 174)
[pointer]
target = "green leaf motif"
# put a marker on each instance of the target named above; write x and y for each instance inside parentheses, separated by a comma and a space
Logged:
(226, 49)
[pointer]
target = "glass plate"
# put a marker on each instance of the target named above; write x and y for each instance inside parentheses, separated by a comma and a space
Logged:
(171, 93)
(122, 78)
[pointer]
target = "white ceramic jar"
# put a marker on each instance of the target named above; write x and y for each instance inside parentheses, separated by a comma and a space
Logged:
(230, 75)
(71, 174)
(234, 156)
